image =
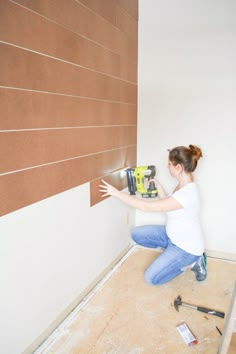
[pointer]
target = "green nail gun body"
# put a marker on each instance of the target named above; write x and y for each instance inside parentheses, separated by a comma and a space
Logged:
(138, 181)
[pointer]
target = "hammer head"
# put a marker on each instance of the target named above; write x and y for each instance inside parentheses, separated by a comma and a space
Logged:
(177, 302)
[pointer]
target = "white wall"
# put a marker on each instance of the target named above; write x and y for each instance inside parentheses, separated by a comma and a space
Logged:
(50, 252)
(187, 95)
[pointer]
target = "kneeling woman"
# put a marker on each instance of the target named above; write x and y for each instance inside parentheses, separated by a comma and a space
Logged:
(181, 238)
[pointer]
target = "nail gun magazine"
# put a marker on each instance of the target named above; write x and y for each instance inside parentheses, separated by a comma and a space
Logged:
(139, 180)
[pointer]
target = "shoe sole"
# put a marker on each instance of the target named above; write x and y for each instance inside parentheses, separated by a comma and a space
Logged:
(205, 266)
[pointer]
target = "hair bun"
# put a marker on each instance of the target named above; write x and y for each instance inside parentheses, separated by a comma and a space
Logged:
(196, 151)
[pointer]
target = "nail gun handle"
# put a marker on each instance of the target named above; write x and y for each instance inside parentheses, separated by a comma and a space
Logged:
(151, 186)
(211, 312)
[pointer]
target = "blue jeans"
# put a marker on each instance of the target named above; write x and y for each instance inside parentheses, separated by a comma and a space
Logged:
(170, 263)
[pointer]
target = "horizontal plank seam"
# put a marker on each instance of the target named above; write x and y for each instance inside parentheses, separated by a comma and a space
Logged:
(67, 95)
(65, 61)
(96, 13)
(78, 34)
(63, 128)
(65, 160)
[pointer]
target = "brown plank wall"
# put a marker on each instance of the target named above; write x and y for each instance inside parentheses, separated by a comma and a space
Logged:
(68, 96)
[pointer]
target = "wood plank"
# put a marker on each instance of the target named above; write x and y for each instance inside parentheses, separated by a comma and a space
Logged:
(115, 14)
(131, 6)
(117, 179)
(23, 188)
(229, 328)
(79, 19)
(23, 69)
(24, 149)
(69, 46)
(30, 110)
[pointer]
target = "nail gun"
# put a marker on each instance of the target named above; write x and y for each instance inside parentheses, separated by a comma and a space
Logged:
(138, 180)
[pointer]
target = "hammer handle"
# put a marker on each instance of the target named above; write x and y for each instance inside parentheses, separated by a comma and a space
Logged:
(211, 312)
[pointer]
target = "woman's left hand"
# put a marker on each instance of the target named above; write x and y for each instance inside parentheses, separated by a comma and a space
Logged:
(107, 189)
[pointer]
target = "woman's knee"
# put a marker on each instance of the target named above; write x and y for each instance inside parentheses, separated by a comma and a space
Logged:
(160, 277)
(150, 279)
(160, 271)
(137, 234)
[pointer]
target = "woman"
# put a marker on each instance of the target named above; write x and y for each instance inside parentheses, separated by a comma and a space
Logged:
(181, 239)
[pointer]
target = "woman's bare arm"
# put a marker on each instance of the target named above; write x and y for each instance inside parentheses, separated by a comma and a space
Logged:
(161, 205)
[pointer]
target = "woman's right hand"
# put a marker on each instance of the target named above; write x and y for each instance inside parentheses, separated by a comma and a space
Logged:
(160, 190)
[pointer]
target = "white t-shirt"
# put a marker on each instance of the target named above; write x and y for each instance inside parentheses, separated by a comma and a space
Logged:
(183, 226)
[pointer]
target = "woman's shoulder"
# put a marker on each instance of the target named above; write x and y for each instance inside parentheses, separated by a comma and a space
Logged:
(190, 187)
(187, 195)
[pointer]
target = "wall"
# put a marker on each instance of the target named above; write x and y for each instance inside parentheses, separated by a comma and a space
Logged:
(68, 94)
(187, 78)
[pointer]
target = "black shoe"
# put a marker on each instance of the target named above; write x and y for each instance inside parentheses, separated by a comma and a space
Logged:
(200, 268)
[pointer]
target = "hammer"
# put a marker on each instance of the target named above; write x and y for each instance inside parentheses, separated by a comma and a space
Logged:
(178, 301)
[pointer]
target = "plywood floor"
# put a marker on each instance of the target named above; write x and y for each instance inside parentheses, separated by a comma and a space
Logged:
(127, 316)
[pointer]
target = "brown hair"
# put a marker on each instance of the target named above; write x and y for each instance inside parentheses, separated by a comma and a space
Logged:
(186, 156)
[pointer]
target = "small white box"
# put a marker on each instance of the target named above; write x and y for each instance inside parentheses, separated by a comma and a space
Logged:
(186, 334)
